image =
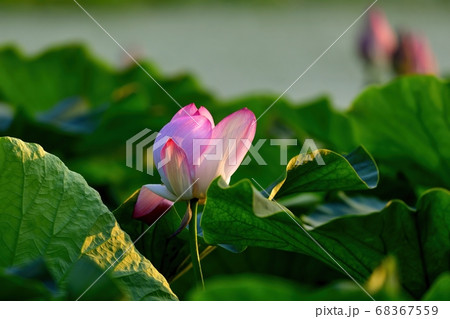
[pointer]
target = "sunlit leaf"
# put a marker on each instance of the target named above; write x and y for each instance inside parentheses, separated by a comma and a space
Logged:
(324, 170)
(48, 211)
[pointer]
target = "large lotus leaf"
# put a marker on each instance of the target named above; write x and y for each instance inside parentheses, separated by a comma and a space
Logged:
(40, 83)
(405, 124)
(48, 211)
(418, 238)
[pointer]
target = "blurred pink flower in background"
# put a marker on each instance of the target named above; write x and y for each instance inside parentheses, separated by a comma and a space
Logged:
(414, 55)
(385, 52)
(378, 41)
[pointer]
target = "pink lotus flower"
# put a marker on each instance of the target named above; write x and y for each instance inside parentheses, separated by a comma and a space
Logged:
(414, 55)
(189, 152)
(378, 41)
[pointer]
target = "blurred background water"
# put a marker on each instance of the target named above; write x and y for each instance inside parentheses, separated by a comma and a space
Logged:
(233, 48)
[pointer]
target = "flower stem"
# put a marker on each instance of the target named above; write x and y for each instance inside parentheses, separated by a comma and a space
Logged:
(193, 243)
